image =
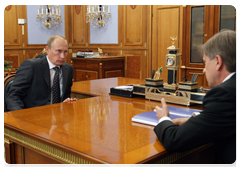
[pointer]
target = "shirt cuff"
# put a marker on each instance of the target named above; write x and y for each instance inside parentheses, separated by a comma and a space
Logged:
(194, 114)
(163, 119)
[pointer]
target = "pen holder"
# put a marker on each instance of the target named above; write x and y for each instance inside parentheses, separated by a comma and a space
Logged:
(188, 86)
(154, 82)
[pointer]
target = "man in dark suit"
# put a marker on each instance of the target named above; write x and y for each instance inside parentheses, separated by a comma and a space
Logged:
(217, 122)
(34, 80)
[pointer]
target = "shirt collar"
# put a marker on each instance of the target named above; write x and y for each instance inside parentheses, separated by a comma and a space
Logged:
(51, 65)
(229, 76)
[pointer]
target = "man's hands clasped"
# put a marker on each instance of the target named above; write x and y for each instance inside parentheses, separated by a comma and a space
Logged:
(70, 99)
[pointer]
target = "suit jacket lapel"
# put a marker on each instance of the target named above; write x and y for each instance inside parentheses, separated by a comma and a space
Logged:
(45, 70)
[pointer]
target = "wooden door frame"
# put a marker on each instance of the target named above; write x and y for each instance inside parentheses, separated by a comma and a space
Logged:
(154, 61)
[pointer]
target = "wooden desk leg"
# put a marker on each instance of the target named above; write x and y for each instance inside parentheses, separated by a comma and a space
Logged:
(9, 151)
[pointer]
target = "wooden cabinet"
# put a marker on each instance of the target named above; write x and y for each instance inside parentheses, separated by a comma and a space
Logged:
(97, 68)
(225, 18)
(200, 23)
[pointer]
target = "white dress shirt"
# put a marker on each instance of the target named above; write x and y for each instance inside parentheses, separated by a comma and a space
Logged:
(52, 73)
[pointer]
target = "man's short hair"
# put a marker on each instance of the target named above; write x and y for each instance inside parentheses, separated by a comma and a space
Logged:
(52, 38)
(224, 45)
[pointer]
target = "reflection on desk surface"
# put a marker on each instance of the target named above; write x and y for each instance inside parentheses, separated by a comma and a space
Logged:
(99, 125)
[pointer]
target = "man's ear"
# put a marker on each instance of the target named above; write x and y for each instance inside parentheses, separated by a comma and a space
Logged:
(219, 62)
(47, 49)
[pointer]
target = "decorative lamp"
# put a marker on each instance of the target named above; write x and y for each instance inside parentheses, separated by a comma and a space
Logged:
(49, 15)
(97, 15)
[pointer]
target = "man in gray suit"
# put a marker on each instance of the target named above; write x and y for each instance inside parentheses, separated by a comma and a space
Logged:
(33, 83)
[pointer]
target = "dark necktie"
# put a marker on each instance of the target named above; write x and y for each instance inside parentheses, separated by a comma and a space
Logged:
(56, 87)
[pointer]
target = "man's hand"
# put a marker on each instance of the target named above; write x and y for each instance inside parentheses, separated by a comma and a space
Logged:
(70, 99)
(162, 112)
(180, 121)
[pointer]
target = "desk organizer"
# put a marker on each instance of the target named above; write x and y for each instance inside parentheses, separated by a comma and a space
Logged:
(139, 89)
(184, 93)
(178, 97)
(125, 92)
(154, 82)
(188, 86)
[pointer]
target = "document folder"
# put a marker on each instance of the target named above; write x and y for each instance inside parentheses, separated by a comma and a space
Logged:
(150, 118)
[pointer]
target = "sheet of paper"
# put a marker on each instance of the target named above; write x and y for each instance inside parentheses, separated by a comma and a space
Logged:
(124, 87)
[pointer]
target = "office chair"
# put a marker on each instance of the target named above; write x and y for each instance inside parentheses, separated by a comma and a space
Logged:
(42, 54)
(8, 80)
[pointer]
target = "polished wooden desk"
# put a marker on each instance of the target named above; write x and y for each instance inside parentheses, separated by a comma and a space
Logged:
(97, 129)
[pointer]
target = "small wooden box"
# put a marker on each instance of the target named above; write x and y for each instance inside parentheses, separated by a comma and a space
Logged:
(188, 86)
(153, 82)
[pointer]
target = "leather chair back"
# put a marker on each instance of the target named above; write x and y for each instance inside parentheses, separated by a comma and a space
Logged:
(7, 84)
(41, 55)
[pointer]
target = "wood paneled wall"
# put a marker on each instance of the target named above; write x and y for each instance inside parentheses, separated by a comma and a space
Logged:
(167, 22)
(141, 35)
(134, 35)
(13, 34)
(13, 38)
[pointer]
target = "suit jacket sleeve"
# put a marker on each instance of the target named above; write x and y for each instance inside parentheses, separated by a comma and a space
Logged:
(19, 87)
(214, 123)
(69, 82)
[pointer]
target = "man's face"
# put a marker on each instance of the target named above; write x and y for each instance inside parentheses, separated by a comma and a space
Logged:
(58, 51)
(210, 70)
